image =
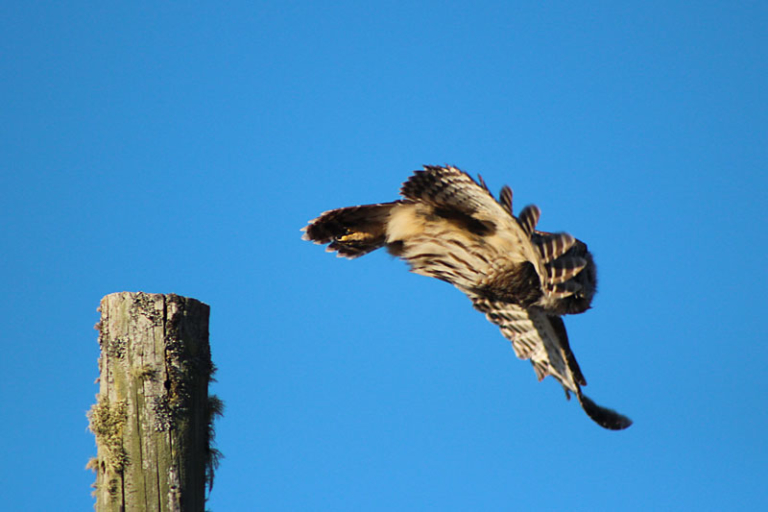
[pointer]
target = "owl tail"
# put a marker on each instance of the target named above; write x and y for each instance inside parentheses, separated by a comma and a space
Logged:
(353, 231)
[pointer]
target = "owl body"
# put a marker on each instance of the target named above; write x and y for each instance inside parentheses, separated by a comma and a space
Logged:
(465, 252)
(450, 227)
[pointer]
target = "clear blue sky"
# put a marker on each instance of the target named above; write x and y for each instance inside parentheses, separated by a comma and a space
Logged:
(180, 146)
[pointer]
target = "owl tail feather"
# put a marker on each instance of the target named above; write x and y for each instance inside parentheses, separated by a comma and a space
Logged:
(353, 231)
(606, 418)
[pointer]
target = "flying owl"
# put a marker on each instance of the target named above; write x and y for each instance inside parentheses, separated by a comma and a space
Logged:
(450, 227)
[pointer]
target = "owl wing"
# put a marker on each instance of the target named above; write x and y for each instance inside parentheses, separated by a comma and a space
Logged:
(542, 338)
(453, 194)
(535, 337)
(452, 188)
(449, 187)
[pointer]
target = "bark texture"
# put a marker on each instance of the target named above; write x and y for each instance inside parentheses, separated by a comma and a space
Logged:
(153, 418)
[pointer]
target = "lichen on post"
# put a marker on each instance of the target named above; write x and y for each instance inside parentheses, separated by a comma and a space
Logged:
(153, 417)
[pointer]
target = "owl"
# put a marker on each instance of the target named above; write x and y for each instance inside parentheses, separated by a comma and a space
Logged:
(450, 227)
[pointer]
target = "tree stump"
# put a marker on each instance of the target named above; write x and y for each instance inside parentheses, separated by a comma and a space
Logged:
(153, 418)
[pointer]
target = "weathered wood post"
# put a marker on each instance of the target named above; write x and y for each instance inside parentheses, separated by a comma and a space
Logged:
(153, 418)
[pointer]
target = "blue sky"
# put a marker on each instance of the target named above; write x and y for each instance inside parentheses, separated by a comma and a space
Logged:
(179, 147)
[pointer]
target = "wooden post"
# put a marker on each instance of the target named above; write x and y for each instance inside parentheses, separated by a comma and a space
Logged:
(153, 418)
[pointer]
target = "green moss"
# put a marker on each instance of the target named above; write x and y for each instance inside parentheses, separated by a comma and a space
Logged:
(107, 423)
(145, 372)
(214, 456)
(116, 347)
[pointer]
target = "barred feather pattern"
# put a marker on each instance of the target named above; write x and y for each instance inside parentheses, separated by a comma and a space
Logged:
(505, 199)
(450, 227)
(529, 217)
(449, 187)
(533, 337)
(443, 255)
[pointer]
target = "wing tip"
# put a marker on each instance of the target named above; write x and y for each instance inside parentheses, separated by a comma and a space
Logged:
(606, 418)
